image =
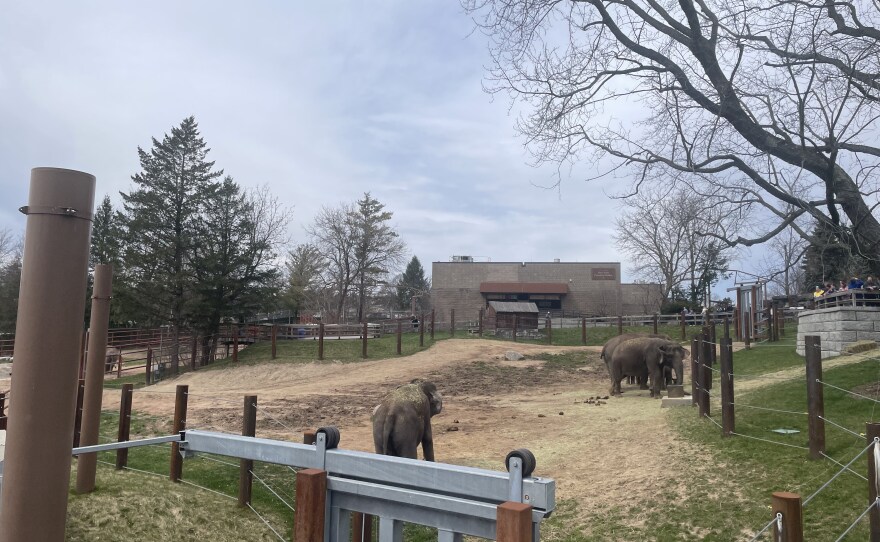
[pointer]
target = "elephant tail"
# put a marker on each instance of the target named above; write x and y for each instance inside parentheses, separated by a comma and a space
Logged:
(387, 427)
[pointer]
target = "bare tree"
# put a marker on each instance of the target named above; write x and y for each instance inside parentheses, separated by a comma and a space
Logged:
(782, 264)
(334, 233)
(664, 233)
(761, 104)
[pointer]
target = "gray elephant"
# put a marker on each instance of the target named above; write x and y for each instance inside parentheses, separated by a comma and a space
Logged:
(612, 344)
(645, 357)
(113, 359)
(403, 420)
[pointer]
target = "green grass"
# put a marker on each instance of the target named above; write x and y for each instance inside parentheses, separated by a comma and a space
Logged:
(767, 357)
(596, 336)
(344, 350)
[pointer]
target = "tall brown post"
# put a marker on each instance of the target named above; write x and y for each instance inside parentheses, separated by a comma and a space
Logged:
(77, 420)
(736, 323)
(36, 472)
(726, 327)
(124, 426)
(714, 340)
(99, 323)
(452, 322)
(753, 316)
(361, 527)
(727, 412)
(513, 522)
(782, 322)
(422, 330)
(747, 337)
(82, 354)
(311, 498)
(321, 340)
(655, 324)
(432, 324)
(149, 366)
(364, 340)
(771, 333)
(178, 425)
(246, 466)
(815, 396)
(274, 341)
(789, 505)
(399, 335)
(695, 371)
(872, 431)
(235, 343)
(620, 325)
(515, 326)
(480, 324)
(708, 352)
(193, 353)
(583, 331)
(703, 375)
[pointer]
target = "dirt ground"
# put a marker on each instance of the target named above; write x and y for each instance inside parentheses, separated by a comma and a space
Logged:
(600, 453)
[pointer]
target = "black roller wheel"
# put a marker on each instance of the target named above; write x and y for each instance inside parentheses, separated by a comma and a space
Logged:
(331, 434)
(527, 458)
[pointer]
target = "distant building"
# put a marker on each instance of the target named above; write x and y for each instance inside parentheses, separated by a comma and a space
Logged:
(576, 289)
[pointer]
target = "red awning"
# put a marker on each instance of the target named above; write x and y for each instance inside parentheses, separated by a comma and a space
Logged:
(523, 288)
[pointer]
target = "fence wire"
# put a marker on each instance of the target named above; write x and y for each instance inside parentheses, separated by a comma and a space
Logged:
(847, 391)
(858, 519)
(776, 519)
(837, 425)
(839, 464)
(770, 409)
(267, 486)
(841, 471)
(267, 523)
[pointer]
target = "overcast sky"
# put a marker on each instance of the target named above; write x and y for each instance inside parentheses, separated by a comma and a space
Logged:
(322, 101)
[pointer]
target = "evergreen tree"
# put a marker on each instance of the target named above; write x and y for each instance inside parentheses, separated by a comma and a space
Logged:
(161, 216)
(413, 284)
(10, 280)
(377, 247)
(829, 259)
(106, 236)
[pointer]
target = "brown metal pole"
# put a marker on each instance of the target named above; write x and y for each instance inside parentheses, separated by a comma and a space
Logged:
(747, 337)
(583, 331)
(149, 366)
(452, 322)
(789, 505)
(872, 432)
(364, 341)
(727, 412)
(178, 425)
(77, 420)
(399, 335)
(82, 354)
(248, 429)
(815, 396)
(36, 472)
(432, 324)
(87, 464)
(274, 341)
(124, 425)
(321, 340)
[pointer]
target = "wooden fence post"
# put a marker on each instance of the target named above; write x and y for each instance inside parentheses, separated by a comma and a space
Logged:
(714, 340)
(422, 330)
(311, 495)
(399, 335)
(583, 330)
(513, 522)
(193, 353)
(119, 365)
(655, 324)
(149, 366)
(452, 322)
(178, 425)
(703, 374)
(77, 421)
(124, 425)
(321, 340)
(815, 396)
(620, 325)
(872, 431)
(789, 505)
(364, 340)
(274, 341)
(480, 325)
(515, 326)
(707, 353)
(747, 336)
(310, 436)
(246, 466)
(695, 371)
(727, 409)
(726, 327)
(432, 324)
(235, 344)
(361, 527)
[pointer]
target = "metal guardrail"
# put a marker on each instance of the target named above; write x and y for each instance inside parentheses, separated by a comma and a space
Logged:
(454, 499)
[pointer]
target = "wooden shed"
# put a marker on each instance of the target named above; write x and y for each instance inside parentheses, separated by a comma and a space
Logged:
(503, 314)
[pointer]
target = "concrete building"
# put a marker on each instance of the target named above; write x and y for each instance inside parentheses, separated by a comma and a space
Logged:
(588, 289)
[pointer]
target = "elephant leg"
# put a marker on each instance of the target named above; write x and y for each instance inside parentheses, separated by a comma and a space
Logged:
(407, 449)
(643, 382)
(656, 378)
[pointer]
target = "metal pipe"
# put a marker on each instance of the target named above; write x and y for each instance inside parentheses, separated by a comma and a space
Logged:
(52, 296)
(87, 464)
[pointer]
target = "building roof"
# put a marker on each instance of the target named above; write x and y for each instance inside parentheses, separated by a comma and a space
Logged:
(513, 306)
(523, 288)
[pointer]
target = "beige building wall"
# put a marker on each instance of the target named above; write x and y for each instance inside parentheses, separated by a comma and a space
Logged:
(594, 288)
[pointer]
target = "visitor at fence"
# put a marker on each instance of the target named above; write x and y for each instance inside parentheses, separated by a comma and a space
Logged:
(415, 322)
(870, 284)
(818, 292)
(855, 283)
(829, 287)
(841, 287)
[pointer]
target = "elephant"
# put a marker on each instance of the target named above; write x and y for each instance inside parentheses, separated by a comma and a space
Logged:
(612, 344)
(113, 357)
(647, 357)
(403, 420)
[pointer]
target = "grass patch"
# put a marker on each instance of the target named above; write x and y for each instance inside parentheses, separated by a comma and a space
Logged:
(768, 357)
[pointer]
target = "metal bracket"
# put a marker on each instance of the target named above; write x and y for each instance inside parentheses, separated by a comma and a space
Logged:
(516, 478)
(321, 451)
(62, 211)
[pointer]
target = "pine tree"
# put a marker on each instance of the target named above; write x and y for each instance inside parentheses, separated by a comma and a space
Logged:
(161, 216)
(413, 285)
(828, 259)
(377, 247)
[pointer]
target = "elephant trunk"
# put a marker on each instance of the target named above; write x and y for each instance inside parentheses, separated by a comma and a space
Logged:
(678, 367)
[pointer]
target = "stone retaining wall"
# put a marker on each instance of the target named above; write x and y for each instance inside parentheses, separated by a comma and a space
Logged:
(838, 326)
